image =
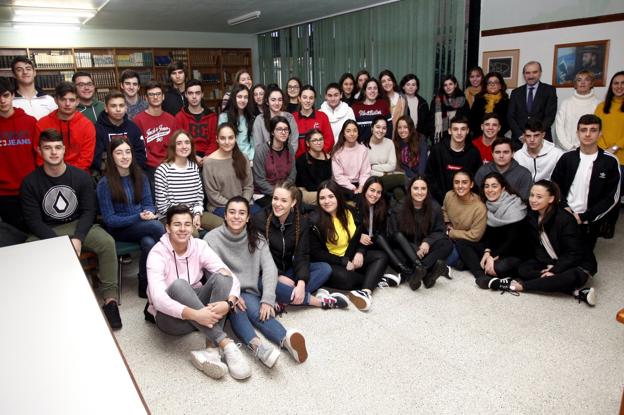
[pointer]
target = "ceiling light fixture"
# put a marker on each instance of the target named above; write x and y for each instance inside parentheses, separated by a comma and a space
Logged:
(51, 12)
(244, 18)
(46, 27)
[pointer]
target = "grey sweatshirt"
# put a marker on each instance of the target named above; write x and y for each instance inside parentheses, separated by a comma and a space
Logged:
(232, 249)
(518, 177)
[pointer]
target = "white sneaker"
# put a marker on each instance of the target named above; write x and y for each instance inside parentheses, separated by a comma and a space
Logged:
(267, 354)
(321, 293)
(236, 363)
(294, 342)
(389, 280)
(209, 362)
(361, 299)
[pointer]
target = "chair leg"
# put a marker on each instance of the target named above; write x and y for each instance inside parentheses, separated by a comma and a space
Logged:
(119, 276)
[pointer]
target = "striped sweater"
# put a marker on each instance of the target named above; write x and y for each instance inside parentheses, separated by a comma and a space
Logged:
(175, 186)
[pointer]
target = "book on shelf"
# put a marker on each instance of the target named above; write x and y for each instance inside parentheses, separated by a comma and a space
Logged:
(6, 60)
(53, 61)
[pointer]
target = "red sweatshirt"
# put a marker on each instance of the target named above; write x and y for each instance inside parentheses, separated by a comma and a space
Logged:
(156, 132)
(202, 128)
(318, 120)
(78, 137)
(17, 152)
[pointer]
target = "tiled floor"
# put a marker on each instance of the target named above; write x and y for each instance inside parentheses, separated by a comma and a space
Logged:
(451, 349)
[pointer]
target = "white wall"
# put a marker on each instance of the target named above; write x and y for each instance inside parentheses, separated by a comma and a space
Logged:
(496, 14)
(10, 37)
(540, 45)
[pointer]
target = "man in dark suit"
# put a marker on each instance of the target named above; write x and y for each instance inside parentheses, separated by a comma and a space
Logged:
(532, 100)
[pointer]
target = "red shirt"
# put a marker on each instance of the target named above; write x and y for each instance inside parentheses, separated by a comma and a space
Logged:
(202, 128)
(156, 131)
(318, 120)
(17, 151)
(485, 151)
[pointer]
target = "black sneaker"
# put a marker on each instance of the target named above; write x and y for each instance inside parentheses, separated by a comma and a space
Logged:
(440, 269)
(587, 295)
(142, 287)
(504, 285)
(389, 280)
(111, 311)
(416, 277)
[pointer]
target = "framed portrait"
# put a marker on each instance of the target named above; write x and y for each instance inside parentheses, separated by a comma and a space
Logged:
(570, 58)
(505, 62)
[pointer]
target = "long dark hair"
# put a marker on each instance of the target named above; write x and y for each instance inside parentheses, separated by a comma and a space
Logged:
(326, 222)
(416, 224)
(255, 109)
(456, 92)
(295, 194)
(501, 180)
(253, 238)
(341, 140)
(273, 124)
(266, 111)
(380, 92)
(239, 162)
(413, 139)
(480, 71)
(343, 77)
(388, 72)
(380, 209)
(118, 194)
(610, 95)
(231, 110)
(551, 210)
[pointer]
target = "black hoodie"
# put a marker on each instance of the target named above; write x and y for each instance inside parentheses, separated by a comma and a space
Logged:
(105, 131)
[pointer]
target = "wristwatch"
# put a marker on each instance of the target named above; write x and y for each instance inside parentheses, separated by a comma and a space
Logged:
(230, 304)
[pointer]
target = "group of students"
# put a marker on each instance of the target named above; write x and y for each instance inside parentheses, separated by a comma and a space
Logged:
(292, 202)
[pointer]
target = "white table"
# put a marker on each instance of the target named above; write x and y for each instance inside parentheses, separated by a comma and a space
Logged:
(57, 354)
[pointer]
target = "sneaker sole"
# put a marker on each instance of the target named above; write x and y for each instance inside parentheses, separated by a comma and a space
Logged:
(215, 370)
(298, 347)
(358, 302)
(591, 297)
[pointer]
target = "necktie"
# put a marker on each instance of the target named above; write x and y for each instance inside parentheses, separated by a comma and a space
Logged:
(530, 99)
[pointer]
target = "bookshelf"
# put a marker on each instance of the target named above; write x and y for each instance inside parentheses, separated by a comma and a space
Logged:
(215, 68)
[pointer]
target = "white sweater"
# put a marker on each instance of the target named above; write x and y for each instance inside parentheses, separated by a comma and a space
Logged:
(382, 157)
(337, 117)
(570, 110)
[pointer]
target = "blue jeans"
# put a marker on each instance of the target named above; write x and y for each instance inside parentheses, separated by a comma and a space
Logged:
(319, 274)
(146, 233)
(243, 322)
(453, 258)
(220, 211)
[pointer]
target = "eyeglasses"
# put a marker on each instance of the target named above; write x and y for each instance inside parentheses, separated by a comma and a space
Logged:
(493, 82)
(84, 84)
(317, 140)
(282, 130)
(154, 94)
(291, 87)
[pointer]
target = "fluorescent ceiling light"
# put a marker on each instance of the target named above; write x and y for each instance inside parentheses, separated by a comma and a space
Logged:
(46, 27)
(47, 12)
(47, 19)
(244, 18)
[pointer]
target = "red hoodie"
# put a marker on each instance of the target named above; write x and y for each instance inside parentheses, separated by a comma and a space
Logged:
(318, 120)
(17, 151)
(78, 137)
(203, 131)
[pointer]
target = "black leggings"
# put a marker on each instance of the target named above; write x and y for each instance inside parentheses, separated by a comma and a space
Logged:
(565, 282)
(471, 254)
(367, 276)
(406, 251)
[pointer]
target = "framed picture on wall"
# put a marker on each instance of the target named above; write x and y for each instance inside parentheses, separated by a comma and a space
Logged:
(570, 58)
(505, 62)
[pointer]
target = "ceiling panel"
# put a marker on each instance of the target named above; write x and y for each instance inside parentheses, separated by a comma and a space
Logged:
(199, 15)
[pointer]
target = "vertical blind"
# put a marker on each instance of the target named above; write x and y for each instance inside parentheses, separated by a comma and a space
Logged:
(425, 37)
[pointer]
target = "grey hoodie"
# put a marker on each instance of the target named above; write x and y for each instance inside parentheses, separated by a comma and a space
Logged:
(518, 177)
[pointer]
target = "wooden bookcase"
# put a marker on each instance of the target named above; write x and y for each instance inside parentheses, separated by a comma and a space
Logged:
(214, 67)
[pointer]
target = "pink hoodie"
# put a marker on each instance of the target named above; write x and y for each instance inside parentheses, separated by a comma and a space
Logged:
(161, 272)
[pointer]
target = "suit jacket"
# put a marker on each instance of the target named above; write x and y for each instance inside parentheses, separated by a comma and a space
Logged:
(544, 109)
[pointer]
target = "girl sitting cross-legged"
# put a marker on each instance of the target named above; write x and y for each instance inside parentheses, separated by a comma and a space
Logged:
(248, 255)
